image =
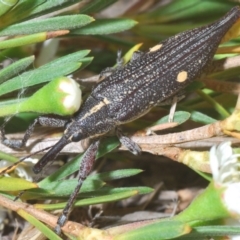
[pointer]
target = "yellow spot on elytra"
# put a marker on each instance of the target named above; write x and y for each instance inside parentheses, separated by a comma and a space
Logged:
(182, 76)
(96, 108)
(155, 48)
(106, 101)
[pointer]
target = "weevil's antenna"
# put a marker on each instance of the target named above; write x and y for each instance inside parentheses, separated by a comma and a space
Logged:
(22, 159)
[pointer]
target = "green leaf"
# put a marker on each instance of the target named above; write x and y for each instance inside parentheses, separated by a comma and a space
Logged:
(46, 25)
(96, 6)
(202, 118)
(38, 194)
(39, 225)
(91, 184)
(37, 76)
(21, 11)
(85, 62)
(113, 175)
(21, 41)
(166, 29)
(211, 205)
(15, 68)
(128, 55)
(7, 195)
(109, 190)
(203, 232)
(206, 176)
(217, 230)
(194, 86)
(51, 6)
(180, 117)
(15, 184)
(107, 145)
(106, 26)
(184, 9)
(65, 187)
(90, 189)
(8, 157)
(73, 57)
(166, 229)
(217, 106)
(90, 201)
(227, 74)
(6, 5)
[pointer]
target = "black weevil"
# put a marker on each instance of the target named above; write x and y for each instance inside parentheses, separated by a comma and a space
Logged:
(128, 93)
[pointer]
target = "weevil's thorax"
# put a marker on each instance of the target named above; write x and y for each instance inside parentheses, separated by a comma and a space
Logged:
(91, 121)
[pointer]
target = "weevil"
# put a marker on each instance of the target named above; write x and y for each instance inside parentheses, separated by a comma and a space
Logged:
(149, 79)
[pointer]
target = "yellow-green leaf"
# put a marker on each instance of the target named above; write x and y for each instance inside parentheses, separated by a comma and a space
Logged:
(15, 184)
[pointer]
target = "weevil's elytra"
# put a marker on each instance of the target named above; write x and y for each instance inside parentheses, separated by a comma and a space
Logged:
(128, 93)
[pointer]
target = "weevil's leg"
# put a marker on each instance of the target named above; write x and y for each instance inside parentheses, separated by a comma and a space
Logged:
(84, 170)
(108, 71)
(48, 121)
(173, 109)
(170, 100)
(18, 143)
(43, 120)
(104, 73)
(120, 61)
(136, 55)
(128, 143)
(173, 102)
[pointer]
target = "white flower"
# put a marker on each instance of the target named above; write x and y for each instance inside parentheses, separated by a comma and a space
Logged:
(23, 170)
(226, 175)
(231, 198)
(225, 170)
(224, 164)
(48, 51)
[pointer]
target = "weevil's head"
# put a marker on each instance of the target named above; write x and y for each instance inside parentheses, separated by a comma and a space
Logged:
(92, 127)
(74, 132)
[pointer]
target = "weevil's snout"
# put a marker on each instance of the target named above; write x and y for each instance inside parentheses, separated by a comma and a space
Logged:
(50, 155)
(71, 134)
